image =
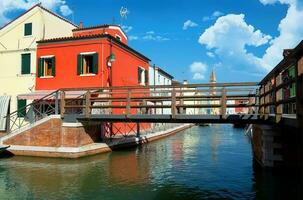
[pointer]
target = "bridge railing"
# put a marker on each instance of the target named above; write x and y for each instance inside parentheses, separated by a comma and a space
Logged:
(189, 99)
(280, 90)
(33, 112)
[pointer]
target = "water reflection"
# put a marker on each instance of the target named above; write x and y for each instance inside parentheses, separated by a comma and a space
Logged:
(204, 162)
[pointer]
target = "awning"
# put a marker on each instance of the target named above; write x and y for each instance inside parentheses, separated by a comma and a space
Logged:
(4, 106)
(39, 94)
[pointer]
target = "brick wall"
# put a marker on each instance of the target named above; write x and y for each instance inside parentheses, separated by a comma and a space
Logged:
(53, 134)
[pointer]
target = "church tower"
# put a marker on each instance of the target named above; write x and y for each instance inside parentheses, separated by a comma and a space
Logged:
(212, 78)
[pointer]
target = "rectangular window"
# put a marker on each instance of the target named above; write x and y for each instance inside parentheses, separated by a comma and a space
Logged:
(26, 63)
(21, 103)
(46, 66)
(28, 29)
(87, 64)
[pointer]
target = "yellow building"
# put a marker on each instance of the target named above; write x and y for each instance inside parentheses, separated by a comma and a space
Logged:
(18, 49)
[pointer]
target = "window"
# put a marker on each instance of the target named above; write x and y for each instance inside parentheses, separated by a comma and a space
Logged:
(46, 66)
(142, 77)
(26, 63)
(87, 64)
(21, 103)
(118, 37)
(28, 29)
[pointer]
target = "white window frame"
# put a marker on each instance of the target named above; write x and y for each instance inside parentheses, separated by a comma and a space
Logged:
(47, 56)
(142, 76)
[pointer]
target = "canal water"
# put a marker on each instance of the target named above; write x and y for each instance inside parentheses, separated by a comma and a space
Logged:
(212, 162)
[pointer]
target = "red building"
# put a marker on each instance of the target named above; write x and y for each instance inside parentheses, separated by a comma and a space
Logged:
(93, 57)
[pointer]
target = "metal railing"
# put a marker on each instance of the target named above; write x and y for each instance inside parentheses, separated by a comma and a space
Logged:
(33, 112)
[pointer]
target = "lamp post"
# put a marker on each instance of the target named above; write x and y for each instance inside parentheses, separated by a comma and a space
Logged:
(109, 62)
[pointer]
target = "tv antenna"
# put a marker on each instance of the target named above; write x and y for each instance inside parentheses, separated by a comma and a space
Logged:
(123, 13)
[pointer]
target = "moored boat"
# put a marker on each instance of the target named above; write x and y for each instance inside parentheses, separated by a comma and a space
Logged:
(3, 148)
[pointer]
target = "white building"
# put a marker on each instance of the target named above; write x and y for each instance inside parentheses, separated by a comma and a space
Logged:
(18, 49)
(158, 76)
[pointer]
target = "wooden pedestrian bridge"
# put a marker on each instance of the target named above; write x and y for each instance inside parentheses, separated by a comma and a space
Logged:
(182, 103)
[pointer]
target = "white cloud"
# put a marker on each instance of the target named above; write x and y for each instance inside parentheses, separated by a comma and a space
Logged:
(150, 32)
(213, 16)
(189, 24)
(7, 6)
(219, 64)
(229, 37)
(151, 35)
(210, 54)
(198, 76)
(291, 33)
(198, 69)
(65, 10)
(127, 28)
(133, 37)
(217, 14)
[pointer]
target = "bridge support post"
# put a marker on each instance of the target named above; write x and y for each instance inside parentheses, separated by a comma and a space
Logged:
(138, 130)
(266, 145)
(277, 146)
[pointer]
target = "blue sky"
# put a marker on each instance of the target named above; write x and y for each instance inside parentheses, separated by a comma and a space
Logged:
(241, 39)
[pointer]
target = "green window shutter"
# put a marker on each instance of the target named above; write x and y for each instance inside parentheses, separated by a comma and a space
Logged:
(292, 72)
(26, 63)
(21, 103)
(95, 63)
(53, 66)
(293, 90)
(79, 65)
(40, 67)
(28, 29)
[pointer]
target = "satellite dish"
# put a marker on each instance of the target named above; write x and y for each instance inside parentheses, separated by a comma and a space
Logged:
(124, 12)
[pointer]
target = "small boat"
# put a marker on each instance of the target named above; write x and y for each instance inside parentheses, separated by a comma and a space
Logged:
(202, 124)
(3, 148)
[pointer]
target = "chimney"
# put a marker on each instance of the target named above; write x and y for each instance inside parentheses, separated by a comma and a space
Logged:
(286, 52)
(81, 25)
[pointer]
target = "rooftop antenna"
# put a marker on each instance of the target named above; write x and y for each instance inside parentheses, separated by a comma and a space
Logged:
(123, 13)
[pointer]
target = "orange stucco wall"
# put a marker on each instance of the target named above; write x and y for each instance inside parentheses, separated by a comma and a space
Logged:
(124, 69)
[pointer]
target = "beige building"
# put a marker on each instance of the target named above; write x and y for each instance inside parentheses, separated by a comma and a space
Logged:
(18, 49)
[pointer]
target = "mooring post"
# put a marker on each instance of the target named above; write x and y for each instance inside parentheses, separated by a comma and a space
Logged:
(138, 130)
(128, 102)
(62, 104)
